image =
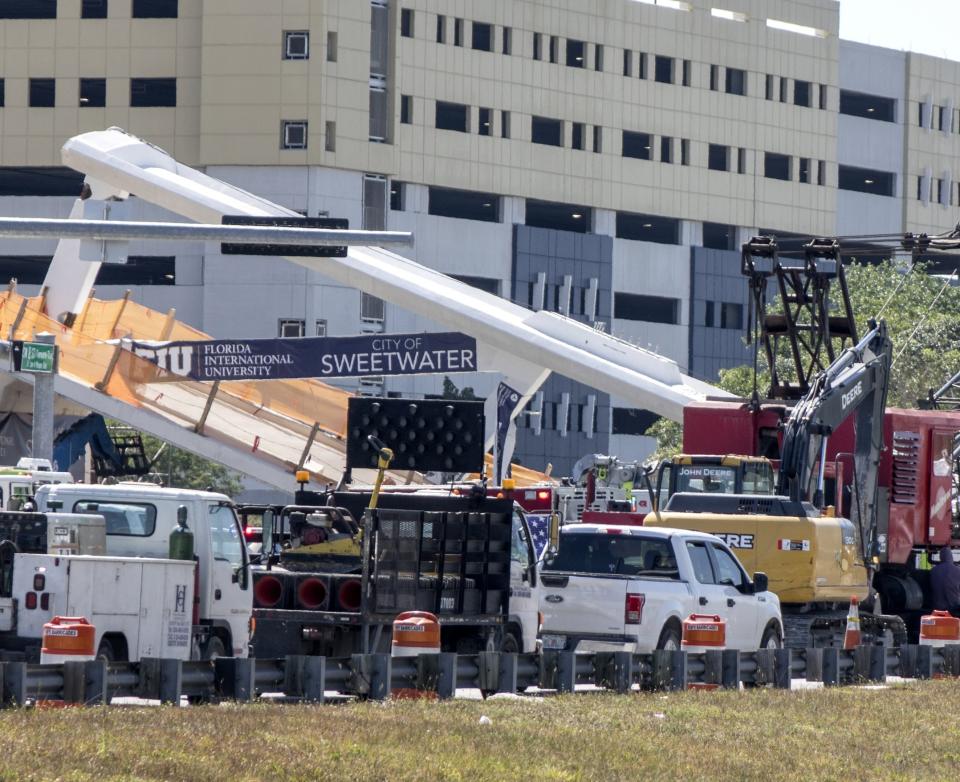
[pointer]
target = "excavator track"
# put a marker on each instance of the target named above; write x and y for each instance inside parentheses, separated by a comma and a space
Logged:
(826, 628)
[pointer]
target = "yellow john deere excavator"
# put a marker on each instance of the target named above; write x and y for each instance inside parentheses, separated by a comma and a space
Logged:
(815, 560)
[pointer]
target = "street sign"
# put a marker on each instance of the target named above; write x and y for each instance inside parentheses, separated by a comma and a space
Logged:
(36, 357)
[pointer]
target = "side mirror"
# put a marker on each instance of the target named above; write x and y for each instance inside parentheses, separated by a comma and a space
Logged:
(266, 532)
(760, 582)
(554, 531)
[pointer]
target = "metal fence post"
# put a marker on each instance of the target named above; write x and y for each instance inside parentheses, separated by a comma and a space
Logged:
(782, 659)
(830, 659)
(15, 683)
(814, 664)
(566, 671)
(74, 681)
(507, 676)
(924, 665)
(766, 667)
(96, 683)
(951, 660)
(613, 670)
(446, 675)
(488, 671)
(171, 681)
(878, 664)
(234, 677)
(730, 674)
(669, 669)
(861, 663)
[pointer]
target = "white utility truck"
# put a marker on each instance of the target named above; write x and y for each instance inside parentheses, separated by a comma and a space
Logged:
(139, 519)
(628, 588)
(19, 484)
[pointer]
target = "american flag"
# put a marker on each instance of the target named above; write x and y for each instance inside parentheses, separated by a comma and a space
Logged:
(539, 524)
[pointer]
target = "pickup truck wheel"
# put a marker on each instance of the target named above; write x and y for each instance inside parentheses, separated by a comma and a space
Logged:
(771, 638)
(669, 638)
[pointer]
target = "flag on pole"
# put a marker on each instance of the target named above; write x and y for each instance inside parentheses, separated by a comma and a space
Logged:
(508, 399)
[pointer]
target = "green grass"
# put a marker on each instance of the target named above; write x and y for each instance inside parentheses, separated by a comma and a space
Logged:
(910, 732)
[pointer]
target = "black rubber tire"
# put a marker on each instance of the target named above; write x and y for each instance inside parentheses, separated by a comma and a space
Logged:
(772, 632)
(214, 648)
(106, 651)
(669, 635)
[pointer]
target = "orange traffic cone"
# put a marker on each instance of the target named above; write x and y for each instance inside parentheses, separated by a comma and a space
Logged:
(851, 638)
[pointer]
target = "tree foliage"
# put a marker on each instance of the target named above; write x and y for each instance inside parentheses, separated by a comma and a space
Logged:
(185, 470)
(923, 321)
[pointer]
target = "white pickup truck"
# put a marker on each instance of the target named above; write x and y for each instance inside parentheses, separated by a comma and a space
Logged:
(624, 588)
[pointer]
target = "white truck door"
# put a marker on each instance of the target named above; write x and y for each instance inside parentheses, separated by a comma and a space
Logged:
(229, 597)
(114, 597)
(152, 601)
(524, 597)
(710, 597)
(744, 609)
(166, 609)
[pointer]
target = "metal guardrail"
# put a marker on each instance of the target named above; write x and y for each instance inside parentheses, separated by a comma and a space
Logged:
(372, 676)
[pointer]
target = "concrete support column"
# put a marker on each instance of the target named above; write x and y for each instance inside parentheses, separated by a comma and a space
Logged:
(43, 398)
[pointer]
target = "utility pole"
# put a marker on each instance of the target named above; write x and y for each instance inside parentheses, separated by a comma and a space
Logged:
(44, 372)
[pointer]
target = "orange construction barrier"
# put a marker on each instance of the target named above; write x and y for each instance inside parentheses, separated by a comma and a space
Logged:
(68, 638)
(701, 632)
(415, 633)
(851, 637)
(939, 629)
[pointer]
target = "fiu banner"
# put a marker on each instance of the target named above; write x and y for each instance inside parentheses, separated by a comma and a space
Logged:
(313, 357)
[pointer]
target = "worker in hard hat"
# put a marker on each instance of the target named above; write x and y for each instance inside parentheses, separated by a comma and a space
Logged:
(945, 583)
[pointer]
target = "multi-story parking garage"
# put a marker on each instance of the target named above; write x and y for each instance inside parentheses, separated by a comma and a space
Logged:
(604, 163)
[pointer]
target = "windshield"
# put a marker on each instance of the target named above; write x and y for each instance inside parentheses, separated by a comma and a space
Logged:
(225, 539)
(603, 553)
(711, 478)
(757, 478)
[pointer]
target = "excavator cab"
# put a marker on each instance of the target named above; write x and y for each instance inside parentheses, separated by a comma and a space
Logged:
(709, 474)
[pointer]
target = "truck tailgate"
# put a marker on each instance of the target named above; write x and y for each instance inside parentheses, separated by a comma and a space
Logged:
(583, 604)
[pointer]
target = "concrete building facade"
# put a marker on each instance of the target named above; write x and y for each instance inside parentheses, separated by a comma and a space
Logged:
(604, 160)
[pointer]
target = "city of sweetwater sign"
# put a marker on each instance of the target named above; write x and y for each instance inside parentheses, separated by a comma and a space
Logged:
(308, 357)
(37, 357)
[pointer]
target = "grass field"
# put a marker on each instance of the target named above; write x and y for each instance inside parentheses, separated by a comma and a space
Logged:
(910, 732)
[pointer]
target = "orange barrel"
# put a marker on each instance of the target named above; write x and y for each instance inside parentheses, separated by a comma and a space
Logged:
(68, 638)
(701, 632)
(415, 633)
(939, 629)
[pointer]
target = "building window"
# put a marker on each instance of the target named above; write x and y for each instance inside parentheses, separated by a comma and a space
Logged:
(731, 316)
(920, 188)
(331, 46)
(684, 152)
(153, 92)
(736, 81)
(546, 131)
(803, 172)
(296, 45)
(717, 236)
(708, 320)
(372, 308)
(940, 191)
(140, 270)
(554, 49)
(290, 328)
(330, 137)
(463, 204)
(718, 158)
(397, 196)
(577, 140)
(505, 124)
(458, 32)
(482, 38)
(768, 89)
(488, 284)
(801, 93)
(293, 134)
(597, 139)
(650, 309)
(633, 422)
(823, 96)
(627, 62)
(452, 116)
(776, 166)
(783, 89)
(666, 149)
(821, 172)
(154, 9)
(642, 57)
(576, 53)
(866, 180)
(686, 73)
(537, 46)
(663, 69)
(378, 114)
(741, 160)
(598, 57)
(636, 145)
(2, 93)
(860, 104)
(714, 77)
(375, 202)
(507, 40)
(28, 9)
(93, 9)
(406, 109)
(441, 28)
(93, 93)
(484, 128)
(320, 328)
(43, 93)
(648, 228)
(561, 217)
(406, 23)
